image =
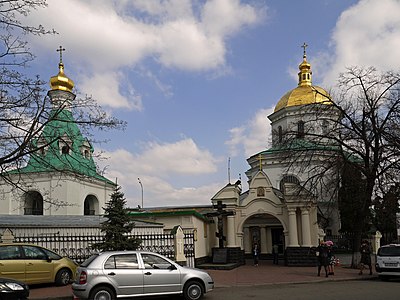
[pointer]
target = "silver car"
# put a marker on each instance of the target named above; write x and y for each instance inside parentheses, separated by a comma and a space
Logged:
(122, 274)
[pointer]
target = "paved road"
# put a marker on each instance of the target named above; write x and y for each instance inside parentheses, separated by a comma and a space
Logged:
(353, 290)
(334, 290)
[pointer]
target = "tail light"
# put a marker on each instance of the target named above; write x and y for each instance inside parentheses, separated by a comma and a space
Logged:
(83, 277)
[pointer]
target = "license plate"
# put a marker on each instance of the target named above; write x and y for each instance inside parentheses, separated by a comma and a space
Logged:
(391, 264)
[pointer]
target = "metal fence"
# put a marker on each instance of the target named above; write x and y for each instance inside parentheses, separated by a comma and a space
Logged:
(79, 247)
(342, 242)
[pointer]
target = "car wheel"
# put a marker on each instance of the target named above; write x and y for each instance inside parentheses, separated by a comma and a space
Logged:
(102, 293)
(63, 277)
(193, 290)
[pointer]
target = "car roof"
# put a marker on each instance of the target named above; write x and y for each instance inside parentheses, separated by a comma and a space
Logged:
(20, 244)
(127, 252)
(390, 245)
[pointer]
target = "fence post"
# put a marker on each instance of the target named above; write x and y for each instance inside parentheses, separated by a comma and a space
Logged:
(376, 241)
(179, 242)
(7, 236)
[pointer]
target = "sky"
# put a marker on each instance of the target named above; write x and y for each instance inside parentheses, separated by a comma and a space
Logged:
(196, 80)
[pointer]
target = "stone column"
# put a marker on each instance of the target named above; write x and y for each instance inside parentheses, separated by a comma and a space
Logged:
(263, 237)
(269, 239)
(213, 236)
(305, 227)
(246, 241)
(179, 242)
(293, 240)
(230, 231)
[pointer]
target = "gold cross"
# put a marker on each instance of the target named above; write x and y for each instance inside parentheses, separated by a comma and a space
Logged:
(260, 160)
(61, 49)
(304, 48)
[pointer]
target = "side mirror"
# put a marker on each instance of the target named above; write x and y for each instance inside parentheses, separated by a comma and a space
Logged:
(172, 267)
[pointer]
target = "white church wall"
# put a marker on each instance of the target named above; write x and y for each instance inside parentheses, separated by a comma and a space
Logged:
(69, 191)
(187, 222)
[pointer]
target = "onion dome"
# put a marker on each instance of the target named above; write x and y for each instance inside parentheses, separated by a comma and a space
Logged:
(61, 81)
(305, 93)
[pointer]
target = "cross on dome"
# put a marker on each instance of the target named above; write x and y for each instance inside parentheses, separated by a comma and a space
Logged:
(60, 49)
(61, 81)
(304, 46)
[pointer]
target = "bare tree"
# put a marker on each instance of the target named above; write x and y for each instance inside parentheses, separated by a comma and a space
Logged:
(27, 114)
(361, 134)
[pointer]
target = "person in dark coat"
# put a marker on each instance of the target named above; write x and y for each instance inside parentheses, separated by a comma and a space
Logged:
(365, 251)
(275, 253)
(322, 256)
(256, 253)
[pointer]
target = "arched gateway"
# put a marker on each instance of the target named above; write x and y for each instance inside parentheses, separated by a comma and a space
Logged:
(268, 216)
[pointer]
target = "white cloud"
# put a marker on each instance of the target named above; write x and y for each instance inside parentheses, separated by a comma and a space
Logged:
(164, 9)
(366, 34)
(155, 167)
(109, 37)
(252, 137)
(225, 17)
(184, 45)
(183, 157)
(108, 86)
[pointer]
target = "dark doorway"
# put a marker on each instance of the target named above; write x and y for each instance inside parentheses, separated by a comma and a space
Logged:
(278, 238)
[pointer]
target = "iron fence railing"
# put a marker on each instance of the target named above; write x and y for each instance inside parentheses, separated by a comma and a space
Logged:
(80, 247)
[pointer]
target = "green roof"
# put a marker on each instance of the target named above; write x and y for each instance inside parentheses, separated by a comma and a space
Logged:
(78, 159)
(169, 213)
(304, 145)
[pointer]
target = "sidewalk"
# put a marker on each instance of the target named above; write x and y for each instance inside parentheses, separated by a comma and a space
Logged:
(265, 273)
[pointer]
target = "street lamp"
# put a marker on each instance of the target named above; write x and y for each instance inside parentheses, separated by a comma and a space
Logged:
(141, 185)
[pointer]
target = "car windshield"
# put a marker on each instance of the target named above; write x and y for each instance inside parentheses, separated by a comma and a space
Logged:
(389, 251)
(51, 254)
(89, 260)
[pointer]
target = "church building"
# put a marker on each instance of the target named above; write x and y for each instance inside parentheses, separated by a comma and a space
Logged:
(61, 178)
(278, 209)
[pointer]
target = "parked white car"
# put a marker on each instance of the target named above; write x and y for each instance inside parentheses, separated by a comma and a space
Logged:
(388, 261)
(123, 274)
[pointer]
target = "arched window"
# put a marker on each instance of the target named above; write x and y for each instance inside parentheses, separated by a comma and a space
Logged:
(65, 149)
(65, 144)
(91, 206)
(280, 134)
(300, 129)
(33, 203)
(325, 126)
(288, 179)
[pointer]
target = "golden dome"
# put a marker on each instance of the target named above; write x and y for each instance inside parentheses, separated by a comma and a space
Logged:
(61, 81)
(305, 93)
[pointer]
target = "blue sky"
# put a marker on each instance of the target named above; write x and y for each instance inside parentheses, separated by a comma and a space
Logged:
(196, 80)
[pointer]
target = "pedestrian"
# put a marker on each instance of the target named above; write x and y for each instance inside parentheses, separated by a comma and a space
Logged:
(256, 253)
(331, 258)
(322, 258)
(365, 251)
(275, 253)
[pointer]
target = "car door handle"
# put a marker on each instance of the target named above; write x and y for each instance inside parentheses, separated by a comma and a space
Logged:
(111, 274)
(147, 273)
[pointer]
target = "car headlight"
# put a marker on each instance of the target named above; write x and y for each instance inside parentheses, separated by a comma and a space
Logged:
(12, 286)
